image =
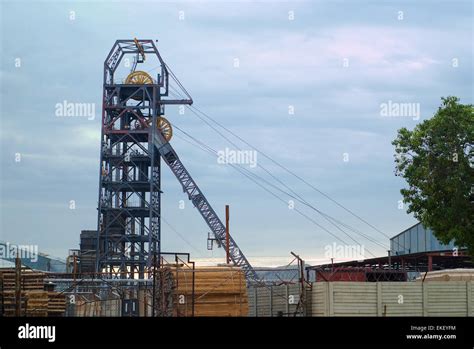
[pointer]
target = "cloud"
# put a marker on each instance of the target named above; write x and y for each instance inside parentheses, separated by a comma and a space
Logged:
(282, 63)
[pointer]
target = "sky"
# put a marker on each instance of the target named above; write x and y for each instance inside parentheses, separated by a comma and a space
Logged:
(304, 82)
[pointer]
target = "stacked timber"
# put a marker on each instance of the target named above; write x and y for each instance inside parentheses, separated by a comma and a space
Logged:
(30, 280)
(35, 300)
(218, 291)
(33, 303)
(56, 304)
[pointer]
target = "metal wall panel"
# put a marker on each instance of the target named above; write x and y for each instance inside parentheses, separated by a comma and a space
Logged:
(397, 245)
(417, 239)
(263, 302)
(251, 294)
(435, 245)
(421, 239)
(429, 237)
(414, 239)
(406, 242)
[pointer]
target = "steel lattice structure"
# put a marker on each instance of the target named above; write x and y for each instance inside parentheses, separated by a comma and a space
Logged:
(200, 202)
(128, 228)
(135, 137)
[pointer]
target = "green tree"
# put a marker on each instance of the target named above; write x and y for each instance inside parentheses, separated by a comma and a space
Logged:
(437, 161)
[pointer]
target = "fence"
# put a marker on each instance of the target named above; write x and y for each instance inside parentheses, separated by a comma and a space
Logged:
(393, 299)
(434, 298)
(283, 300)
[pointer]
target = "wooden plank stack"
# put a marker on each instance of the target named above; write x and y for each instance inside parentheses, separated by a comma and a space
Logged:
(56, 304)
(30, 280)
(35, 301)
(218, 291)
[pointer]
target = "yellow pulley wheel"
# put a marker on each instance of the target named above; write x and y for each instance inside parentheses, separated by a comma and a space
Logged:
(165, 128)
(139, 78)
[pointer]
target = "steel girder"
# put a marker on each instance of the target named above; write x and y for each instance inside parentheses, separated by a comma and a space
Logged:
(199, 201)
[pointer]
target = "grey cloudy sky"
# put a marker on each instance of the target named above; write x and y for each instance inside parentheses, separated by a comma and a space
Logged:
(419, 58)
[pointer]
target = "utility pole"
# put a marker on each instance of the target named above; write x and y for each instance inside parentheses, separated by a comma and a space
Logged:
(17, 286)
(227, 234)
(74, 268)
(302, 300)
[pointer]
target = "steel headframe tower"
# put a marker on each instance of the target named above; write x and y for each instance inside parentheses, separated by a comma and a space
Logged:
(128, 225)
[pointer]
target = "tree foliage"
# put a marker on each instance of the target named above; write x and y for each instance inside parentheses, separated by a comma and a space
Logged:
(437, 161)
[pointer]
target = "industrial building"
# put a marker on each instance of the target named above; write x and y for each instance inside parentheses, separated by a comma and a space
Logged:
(412, 252)
(418, 239)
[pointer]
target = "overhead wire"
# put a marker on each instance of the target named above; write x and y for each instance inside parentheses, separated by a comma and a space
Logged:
(331, 220)
(336, 223)
(287, 170)
(254, 178)
(196, 110)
